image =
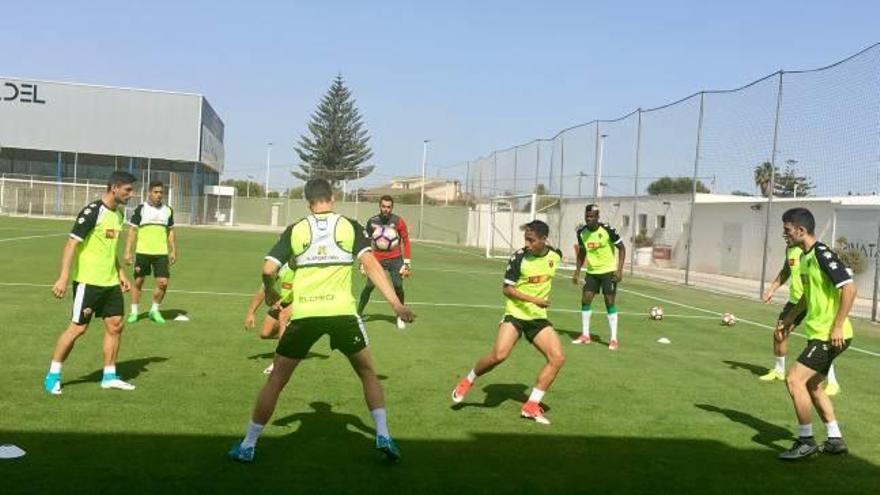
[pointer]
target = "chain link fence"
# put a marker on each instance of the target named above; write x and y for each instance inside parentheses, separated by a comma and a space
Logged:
(697, 187)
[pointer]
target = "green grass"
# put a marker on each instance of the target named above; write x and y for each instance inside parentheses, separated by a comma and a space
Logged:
(687, 417)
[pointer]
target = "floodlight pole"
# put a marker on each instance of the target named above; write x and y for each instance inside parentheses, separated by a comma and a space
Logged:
(268, 162)
(422, 200)
(772, 185)
(599, 165)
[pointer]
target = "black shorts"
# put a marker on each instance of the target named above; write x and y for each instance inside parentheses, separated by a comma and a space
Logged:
(275, 312)
(529, 328)
(94, 300)
(347, 335)
(819, 354)
(789, 307)
(607, 282)
(151, 264)
(392, 266)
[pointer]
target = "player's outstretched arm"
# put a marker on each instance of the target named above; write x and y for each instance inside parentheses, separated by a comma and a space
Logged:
(60, 286)
(130, 240)
(270, 271)
(621, 259)
(256, 300)
(124, 283)
(777, 282)
(376, 273)
(511, 292)
(847, 297)
(172, 246)
(578, 264)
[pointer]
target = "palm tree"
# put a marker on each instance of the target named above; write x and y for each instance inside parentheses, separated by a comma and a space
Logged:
(763, 176)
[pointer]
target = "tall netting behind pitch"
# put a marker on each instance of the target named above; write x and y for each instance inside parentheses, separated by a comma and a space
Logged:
(697, 187)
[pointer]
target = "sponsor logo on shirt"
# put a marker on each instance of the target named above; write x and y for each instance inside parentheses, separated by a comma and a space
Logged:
(537, 279)
(593, 245)
(287, 286)
(110, 234)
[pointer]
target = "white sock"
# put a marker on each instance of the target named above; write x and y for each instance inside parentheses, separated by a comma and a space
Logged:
(833, 430)
(471, 376)
(585, 322)
(805, 431)
(252, 435)
(780, 364)
(110, 370)
(54, 367)
(536, 395)
(154, 307)
(134, 309)
(381, 422)
(612, 322)
(832, 376)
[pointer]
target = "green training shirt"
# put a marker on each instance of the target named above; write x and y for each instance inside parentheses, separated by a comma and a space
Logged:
(599, 248)
(823, 274)
(285, 284)
(97, 228)
(321, 249)
(532, 275)
(153, 224)
(793, 265)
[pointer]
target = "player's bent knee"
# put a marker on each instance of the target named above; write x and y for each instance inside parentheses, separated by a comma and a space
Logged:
(77, 330)
(499, 356)
(556, 360)
(162, 283)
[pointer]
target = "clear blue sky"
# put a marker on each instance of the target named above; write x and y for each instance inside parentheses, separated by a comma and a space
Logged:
(470, 75)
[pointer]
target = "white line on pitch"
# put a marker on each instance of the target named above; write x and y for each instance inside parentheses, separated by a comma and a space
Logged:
(32, 237)
(714, 314)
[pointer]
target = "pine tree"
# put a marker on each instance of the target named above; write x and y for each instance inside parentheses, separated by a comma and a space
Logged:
(337, 144)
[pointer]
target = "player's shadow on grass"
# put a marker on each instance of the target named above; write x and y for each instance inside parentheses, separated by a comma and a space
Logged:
(126, 370)
(753, 368)
(323, 425)
(569, 335)
(331, 451)
(766, 434)
(271, 355)
(380, 317)
(499, 393)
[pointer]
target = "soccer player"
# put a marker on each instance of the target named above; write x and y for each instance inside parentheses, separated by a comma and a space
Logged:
(151, 228)
(527, 285)
(321, 249)
(278, 315)
(598, 243)
(98, 280)
(790, 273)
(828, 296)
(395, 260)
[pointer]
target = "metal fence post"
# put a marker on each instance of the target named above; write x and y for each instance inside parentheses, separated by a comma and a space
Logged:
(632, 221)
(537, 164)
(690, 239)
(596, 166)
(771, 186)
(876, 277)
(561, 187)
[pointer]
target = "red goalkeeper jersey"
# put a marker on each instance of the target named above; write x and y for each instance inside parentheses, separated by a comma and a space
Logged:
(402, 248)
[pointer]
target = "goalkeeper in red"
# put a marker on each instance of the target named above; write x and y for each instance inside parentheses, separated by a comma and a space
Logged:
(391, 248)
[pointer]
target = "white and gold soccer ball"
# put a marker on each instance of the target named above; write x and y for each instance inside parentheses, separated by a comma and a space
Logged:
(656, 313)
(728, 320)
(385, 238)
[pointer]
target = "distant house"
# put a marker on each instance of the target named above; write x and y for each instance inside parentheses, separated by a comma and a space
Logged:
(437, 189)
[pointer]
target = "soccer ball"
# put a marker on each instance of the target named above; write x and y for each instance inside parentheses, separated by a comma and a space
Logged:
(656, 313)
(728, 320)
(385, 238)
